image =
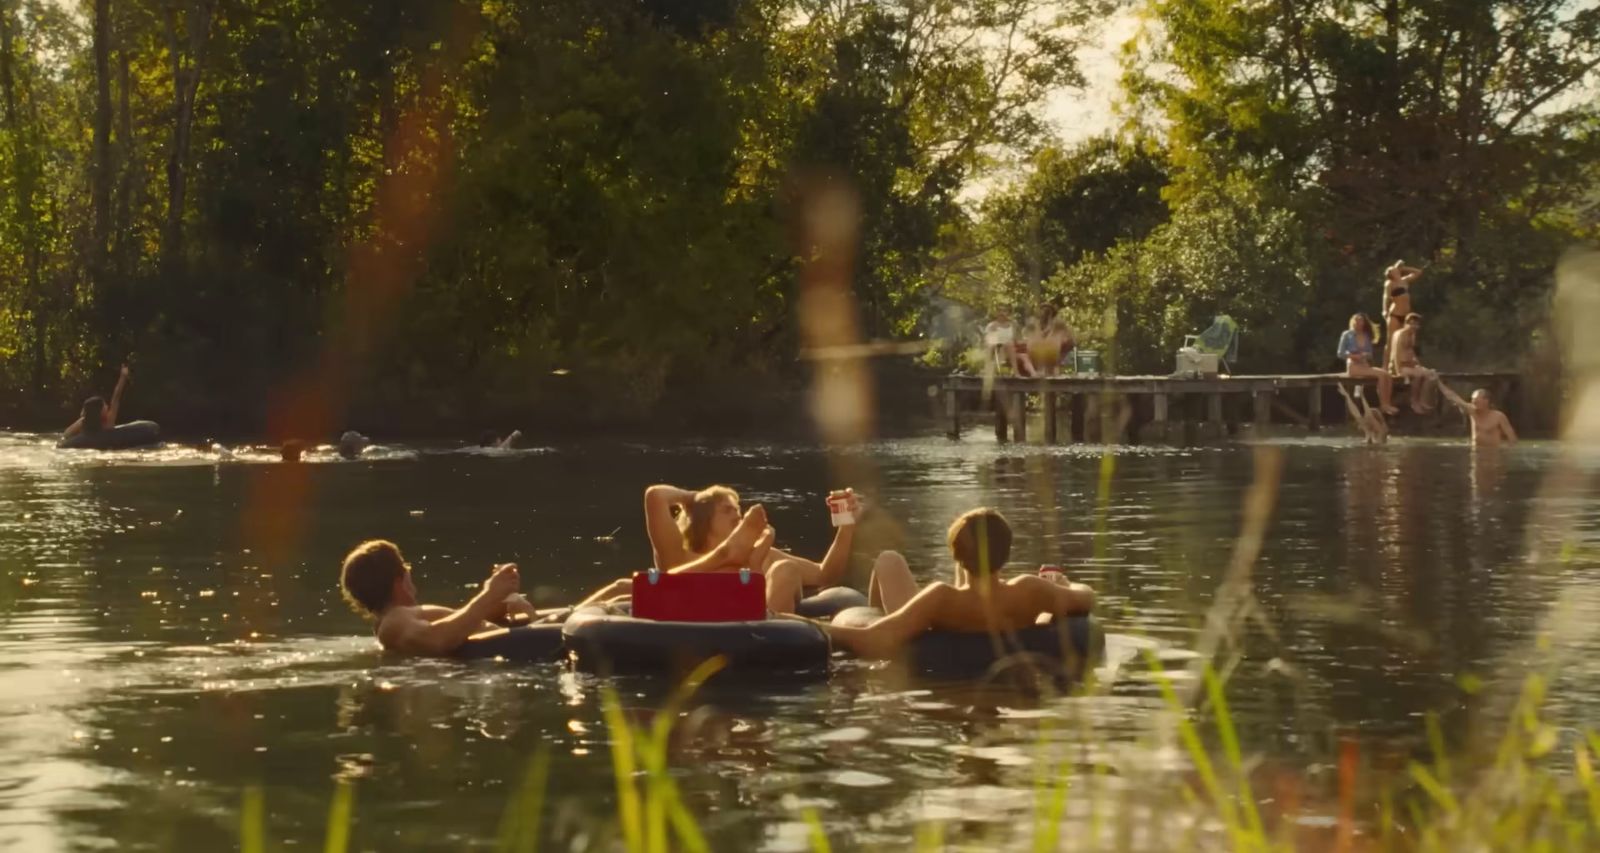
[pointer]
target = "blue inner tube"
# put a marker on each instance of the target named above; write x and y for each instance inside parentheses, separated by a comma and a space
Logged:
(1064, 646)
(525, 644)
(120, 437)
(602, 640)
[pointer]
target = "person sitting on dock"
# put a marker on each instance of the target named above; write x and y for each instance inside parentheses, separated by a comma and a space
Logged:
(681, 525)
(1372, 424)
(1000, 338)
(1403, 358)
(96, 415)
(978, 602)
(376, 582)
(1490, 426)
(1356, 348)
(1047, 337)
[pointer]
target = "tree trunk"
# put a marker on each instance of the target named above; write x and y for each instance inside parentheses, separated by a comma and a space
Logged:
(185, 86)
(122, 242)
(100, 179)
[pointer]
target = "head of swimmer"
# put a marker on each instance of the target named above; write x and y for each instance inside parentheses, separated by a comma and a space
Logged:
(375, 577)
(1480, 400)
(980, 542)
(94, 413)
(708, 518)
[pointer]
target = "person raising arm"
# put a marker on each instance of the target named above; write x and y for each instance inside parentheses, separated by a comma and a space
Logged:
(681, 525)
(96, 415)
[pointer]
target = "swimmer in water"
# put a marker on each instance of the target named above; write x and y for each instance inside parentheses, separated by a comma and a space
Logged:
(376, 582)
(1490, 426)
(1371, 421)
(292, 450)
(96, 415)
(681, 525)
(978, 602)
(351, 443)
(489, 439)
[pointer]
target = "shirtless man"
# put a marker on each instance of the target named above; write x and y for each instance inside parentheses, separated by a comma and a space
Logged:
(980, 601)
(1490, 426)
(96, 415)
(1403, 360)
(376, 581)
(1372, 424)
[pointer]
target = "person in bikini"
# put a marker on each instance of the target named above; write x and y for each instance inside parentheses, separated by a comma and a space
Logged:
(682, 525)
(1403, 358)
(376, 581)
(1397, 281)
(1490, 426)
(1356, 348)
(979, 601)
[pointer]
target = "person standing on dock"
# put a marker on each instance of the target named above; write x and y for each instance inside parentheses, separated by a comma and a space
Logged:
(1403, 357)
(1356, 348)
(1397, 280)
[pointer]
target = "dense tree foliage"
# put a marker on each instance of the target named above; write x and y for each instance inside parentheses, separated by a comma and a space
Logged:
(430, 208)
(1310, 144)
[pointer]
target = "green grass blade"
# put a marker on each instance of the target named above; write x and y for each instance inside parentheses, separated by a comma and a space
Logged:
(252, 821)
(339, 813)
(630, 811)
(1440, 795)
(519, 826)
(1198, 754)
(818, 835)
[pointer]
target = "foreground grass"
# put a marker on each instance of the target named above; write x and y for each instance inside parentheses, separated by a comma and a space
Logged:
(1529, 794)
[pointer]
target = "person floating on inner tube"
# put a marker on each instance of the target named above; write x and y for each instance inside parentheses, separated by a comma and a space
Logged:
(979, 602)
(96, 415)
(376, 582)
(682, 524)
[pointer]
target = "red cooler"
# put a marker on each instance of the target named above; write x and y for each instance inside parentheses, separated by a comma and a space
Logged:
(700, 597)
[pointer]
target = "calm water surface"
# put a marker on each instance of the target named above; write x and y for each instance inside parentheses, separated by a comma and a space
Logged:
(170, 633)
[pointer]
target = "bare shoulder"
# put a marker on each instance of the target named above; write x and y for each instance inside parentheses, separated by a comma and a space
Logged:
(396, 623)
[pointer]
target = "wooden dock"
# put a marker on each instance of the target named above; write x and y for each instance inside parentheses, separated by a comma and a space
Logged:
(1154, 409)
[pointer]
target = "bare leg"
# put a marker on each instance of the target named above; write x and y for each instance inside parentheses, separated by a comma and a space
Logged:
(892, 585)
(783, 586)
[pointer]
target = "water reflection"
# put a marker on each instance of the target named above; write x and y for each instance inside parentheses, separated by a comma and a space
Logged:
(156, 655)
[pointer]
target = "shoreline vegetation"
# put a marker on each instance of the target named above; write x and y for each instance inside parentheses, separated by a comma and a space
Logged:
(292, 216)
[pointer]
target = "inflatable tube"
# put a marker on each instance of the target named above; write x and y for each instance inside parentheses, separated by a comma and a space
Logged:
(1064, 645)
(599, 640)
(830, 602)
(122, 437)
(526, 644)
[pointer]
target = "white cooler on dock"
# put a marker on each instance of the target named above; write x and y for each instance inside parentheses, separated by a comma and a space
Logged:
(1194, 364)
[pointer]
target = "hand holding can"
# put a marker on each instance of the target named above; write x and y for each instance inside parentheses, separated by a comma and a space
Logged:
(1052, 574)
(842, 507)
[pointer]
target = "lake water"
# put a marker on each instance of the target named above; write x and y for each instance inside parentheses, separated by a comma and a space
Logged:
(170, 634)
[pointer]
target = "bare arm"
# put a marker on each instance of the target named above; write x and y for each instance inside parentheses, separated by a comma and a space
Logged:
(666, 540)
(74, 429)
(110, 419)
(621, 586)
(417, 634)
(1454, 398)
(1505, 428)
(1071, 599)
